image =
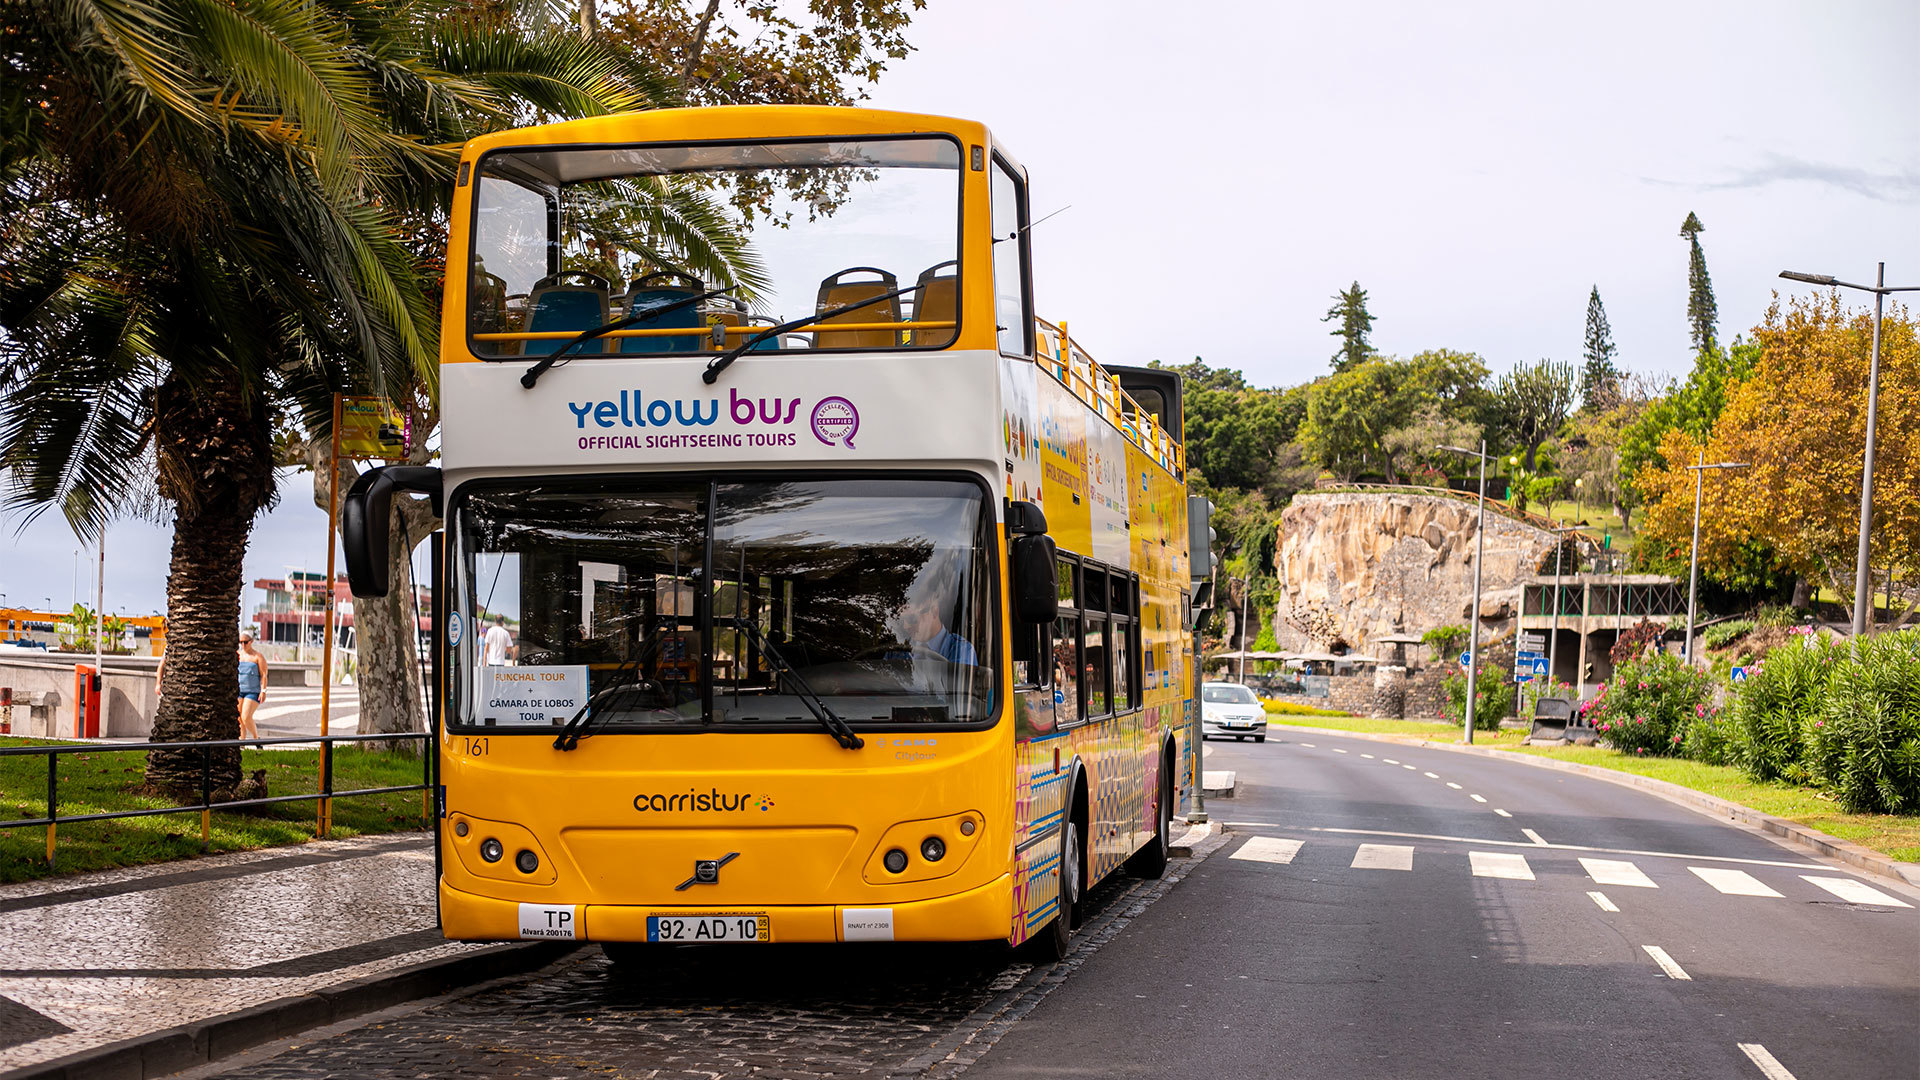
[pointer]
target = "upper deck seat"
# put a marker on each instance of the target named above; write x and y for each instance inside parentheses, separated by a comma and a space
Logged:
(657, 290)
(836, 292)
(553, 304)
(936, 298)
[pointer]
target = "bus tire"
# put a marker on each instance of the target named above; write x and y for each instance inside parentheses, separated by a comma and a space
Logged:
(1151, 860)
(1053, 940)
(626, 956)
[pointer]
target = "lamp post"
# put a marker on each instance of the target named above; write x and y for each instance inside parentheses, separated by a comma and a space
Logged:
(1693, 558)
(1246, 586)
(1473, 616)
(1862, 575)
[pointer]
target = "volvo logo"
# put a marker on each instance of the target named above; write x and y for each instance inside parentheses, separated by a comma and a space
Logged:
(706, 871)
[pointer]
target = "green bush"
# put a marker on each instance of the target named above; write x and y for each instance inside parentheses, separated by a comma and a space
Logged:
(1864, 740)
(1709, 737)
(1648, 703)
(1493, 693)
(1777, 615)
(1720, 635)
(1446, 642)
(1775, 709)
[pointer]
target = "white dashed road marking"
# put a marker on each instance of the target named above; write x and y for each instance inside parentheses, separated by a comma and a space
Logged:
(1383, 857)
(1854, 892)
(1732, 882)
(1477, 798)
(1500, 864)
(1337, 750)
(1667, 964)
(1769, 1066)
(1367, 756)
(1453, 785)
(1534, 836)
(1389, 761)
(1267, 849)
(1601, 899)
(1616, 872)
(1501, 812)
(1431, 775)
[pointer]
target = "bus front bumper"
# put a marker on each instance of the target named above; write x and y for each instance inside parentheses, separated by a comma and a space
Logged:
(981, 914)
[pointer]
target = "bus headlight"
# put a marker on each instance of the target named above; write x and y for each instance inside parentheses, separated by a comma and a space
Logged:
(527, 861)
(896, 861)
(491, 850)
(933, 849)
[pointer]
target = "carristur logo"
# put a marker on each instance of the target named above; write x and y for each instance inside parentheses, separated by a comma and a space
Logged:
(700, 802)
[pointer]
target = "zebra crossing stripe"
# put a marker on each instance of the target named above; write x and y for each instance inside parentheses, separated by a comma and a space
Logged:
(1854, 892)
(1732, 882)
(1268, 850)
(1383, 857)
(1616, 872)
(1500, 864)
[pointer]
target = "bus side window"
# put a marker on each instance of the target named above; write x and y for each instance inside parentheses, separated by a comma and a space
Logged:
(1067, 708)
(1010, 306)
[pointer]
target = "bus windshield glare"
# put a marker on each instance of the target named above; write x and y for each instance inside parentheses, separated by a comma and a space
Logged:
(566, 239)
(664, 597)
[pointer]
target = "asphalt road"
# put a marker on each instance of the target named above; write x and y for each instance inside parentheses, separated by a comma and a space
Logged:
(1385, 911)
(1375, 911)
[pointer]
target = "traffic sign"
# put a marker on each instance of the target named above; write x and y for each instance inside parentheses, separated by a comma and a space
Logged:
(1528, 656)
(1466, 659)
(1530, 642)
(1739, 674)
(1539, 667)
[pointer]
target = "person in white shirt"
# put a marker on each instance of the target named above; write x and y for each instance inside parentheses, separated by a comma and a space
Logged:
(498, 643)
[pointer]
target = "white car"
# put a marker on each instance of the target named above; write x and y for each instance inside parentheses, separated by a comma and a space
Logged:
(1231, 709)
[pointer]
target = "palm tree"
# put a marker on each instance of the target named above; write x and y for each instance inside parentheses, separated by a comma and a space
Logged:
(201, 210)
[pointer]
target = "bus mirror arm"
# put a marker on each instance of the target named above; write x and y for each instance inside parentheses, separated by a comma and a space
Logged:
(1036, 594)
(365, 517)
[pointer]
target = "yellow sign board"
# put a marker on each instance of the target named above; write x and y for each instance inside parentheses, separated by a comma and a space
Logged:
(372, 429)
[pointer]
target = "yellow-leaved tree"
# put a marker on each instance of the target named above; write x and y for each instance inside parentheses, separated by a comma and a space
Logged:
(1800, 419)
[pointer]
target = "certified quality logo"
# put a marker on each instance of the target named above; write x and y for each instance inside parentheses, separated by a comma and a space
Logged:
(836, 421)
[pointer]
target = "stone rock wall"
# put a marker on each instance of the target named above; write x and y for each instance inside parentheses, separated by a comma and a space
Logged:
(1356, 565)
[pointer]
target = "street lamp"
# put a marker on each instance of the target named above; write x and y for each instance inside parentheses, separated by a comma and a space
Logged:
(1862, 576)
(1693, 559)
(1479, 550)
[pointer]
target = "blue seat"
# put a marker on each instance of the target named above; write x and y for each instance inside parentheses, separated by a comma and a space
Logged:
(555, 305)
(656, 290)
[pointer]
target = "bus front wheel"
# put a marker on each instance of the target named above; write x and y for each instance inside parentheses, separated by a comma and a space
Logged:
(1051, 943)
(1151, 860)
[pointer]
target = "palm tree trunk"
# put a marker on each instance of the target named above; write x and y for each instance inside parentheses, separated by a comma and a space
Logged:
(217, 468)
(386, 648)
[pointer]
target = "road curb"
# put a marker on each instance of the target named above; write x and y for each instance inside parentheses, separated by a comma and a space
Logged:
(1699, 801)
(188, 1045)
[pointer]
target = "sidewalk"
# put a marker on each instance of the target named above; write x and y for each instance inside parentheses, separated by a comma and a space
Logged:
(95, 960)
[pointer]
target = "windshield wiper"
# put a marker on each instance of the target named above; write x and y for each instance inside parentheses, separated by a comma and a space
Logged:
(533, 373)
(842, 733)
(580, 726)
(722, 363)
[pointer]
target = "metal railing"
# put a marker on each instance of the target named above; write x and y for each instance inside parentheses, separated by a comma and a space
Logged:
(206, 806)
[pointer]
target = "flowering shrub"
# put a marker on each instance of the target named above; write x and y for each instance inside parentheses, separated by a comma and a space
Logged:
(1709, 737)
(1493, 689)
(1863, 742)
(1646, 706)
(1775, 710)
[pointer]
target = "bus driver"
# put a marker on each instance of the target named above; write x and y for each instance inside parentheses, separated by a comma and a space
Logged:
(919, 623)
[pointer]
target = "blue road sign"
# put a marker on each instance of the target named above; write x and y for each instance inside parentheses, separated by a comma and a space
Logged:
(1739, 674)
(1528, 656)
(1466, 659)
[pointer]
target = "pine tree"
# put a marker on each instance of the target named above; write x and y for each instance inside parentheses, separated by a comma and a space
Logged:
(1702, 312)
(1600, 378)
(1350, 310)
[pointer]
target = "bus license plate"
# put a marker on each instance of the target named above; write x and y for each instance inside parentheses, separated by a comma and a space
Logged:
(696, 928)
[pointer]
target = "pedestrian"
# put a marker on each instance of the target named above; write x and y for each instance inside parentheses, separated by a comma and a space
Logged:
(499, 643)
(253, 684)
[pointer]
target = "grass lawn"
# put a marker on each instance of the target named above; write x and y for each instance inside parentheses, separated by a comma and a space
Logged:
(1289, 708)
(99, 782)
(1894, 835)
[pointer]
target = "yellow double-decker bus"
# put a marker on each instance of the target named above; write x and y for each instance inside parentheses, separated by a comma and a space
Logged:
(808, 591)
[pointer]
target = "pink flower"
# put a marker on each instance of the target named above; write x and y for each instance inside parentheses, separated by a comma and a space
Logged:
(1699, 710)
(1819, 723)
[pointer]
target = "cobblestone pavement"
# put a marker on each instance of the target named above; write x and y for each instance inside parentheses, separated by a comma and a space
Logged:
(91, 960)
(797, 1012)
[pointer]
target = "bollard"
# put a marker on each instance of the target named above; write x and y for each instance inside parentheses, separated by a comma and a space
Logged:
(53, 801)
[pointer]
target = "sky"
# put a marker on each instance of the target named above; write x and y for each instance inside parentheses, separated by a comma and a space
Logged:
(1476, 167)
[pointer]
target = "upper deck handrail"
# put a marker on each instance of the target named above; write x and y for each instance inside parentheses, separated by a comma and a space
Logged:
(1073, 367)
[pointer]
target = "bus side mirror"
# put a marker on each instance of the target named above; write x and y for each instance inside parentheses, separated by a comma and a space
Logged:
(1036, 595)
(364, 517)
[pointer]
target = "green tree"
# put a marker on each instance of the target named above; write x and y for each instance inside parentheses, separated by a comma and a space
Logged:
(1349, 310)
(1532, 401)
(204, 220)
(1702, 312)
(1238, 436)
(1599, 377)
(1350, 414)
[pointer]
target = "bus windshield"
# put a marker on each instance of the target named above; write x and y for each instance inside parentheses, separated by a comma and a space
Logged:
(566, 239)
(681, 604)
